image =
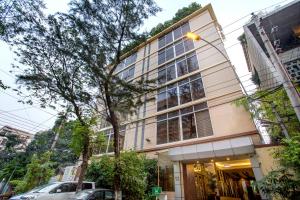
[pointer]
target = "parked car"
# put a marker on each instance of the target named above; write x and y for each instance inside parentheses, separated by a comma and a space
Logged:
(18, 197)
(56, 191)
(97, 194)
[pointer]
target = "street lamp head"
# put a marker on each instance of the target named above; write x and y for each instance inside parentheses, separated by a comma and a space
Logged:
(193, 36)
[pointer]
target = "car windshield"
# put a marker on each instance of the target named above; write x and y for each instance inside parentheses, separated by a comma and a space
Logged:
(47, 188)
(83, 194)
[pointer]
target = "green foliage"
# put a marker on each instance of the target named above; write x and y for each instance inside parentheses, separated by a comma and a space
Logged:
(284, 182)
(279, 183)
(39, 171)
(262, 110)
(137, 177)
(180, 14)
(61, 156)
(289, 155)
(78, 137)
(101, 171)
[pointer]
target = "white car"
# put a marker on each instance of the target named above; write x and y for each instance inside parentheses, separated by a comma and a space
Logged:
(55, 191)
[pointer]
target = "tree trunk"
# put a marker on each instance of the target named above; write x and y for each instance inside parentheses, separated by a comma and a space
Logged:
(84, 164)
(117, 175)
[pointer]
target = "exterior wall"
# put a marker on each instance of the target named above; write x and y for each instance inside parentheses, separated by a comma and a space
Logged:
(258, 59)
(266, 160)
(218, 79)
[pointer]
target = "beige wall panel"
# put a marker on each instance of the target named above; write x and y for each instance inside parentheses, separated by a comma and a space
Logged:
(228, 119)
(140, 54)
(266, 160)
(208, 56)
(219, 80)
(208, 33)
(129, 137)
(138, 70)
(153, 62)
(154, 46)
(200, 20)
(150, 133)
(150, 108)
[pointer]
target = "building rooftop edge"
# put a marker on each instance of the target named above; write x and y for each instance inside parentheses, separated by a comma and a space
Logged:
(149, 40)
(18, 130)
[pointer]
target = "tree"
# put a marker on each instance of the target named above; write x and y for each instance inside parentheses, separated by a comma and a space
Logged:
(39, 171)
(70, 59)
(180, 14)
(137, 178)
(61, 156)
(51, 74)
(100, 30)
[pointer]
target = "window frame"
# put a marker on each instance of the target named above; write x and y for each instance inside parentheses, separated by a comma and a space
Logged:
(187, 81)
(164, 118)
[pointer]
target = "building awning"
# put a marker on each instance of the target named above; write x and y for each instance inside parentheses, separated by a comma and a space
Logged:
(228, 147)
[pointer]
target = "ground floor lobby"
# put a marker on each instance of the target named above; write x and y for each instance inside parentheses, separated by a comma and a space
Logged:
(222, 170)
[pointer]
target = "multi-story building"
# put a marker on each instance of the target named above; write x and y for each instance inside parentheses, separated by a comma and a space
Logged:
(282, 26)
(204, 143)
(23, 137)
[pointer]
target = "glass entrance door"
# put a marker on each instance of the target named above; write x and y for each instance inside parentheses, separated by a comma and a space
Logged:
(225, 180)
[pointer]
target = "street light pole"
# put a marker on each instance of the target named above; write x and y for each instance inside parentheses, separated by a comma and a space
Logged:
(196, 37)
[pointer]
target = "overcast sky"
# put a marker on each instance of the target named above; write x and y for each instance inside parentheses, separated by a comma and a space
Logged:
(33, 118)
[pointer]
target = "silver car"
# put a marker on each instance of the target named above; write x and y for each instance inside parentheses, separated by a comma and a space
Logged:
(56, 191)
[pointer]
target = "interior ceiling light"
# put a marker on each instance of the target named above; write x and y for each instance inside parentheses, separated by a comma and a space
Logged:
(296, 30)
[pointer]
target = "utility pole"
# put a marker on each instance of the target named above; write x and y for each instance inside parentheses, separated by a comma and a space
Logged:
(280, 121)
(63, 118)
(283, 75)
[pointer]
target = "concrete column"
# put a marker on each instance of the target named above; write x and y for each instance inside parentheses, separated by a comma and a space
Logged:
(178, 181)
(258, 174)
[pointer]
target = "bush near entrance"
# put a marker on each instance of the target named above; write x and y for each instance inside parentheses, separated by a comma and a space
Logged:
(138, 174)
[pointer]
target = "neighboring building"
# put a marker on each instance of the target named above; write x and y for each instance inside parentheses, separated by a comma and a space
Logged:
(204, 143)
(23, 136)
(283, 29)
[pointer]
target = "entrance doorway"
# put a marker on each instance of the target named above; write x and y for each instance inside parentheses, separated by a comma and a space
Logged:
(224, 179)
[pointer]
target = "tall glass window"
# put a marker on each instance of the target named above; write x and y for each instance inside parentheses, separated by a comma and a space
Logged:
(181, 92)
(167, 51)
(184, 124)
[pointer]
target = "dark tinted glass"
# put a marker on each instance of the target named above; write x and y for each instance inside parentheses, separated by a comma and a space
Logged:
(161, 42)
(177, 33)
(192, 63)
(179, 49)
(188, 45)
(162, 132)
(181, 67)
(185, 93)
(169, 53)
(109, 195)
(204, 127)
(169, 38)
(161, 57)
(161, 79)
(161, 101)
(172, 98)
(73, 186)
(86, 186)
(171, 73)
(197, 89)
(130, 73)
(188, 127)
(98, 195)
(185, 28)
(173, 128)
